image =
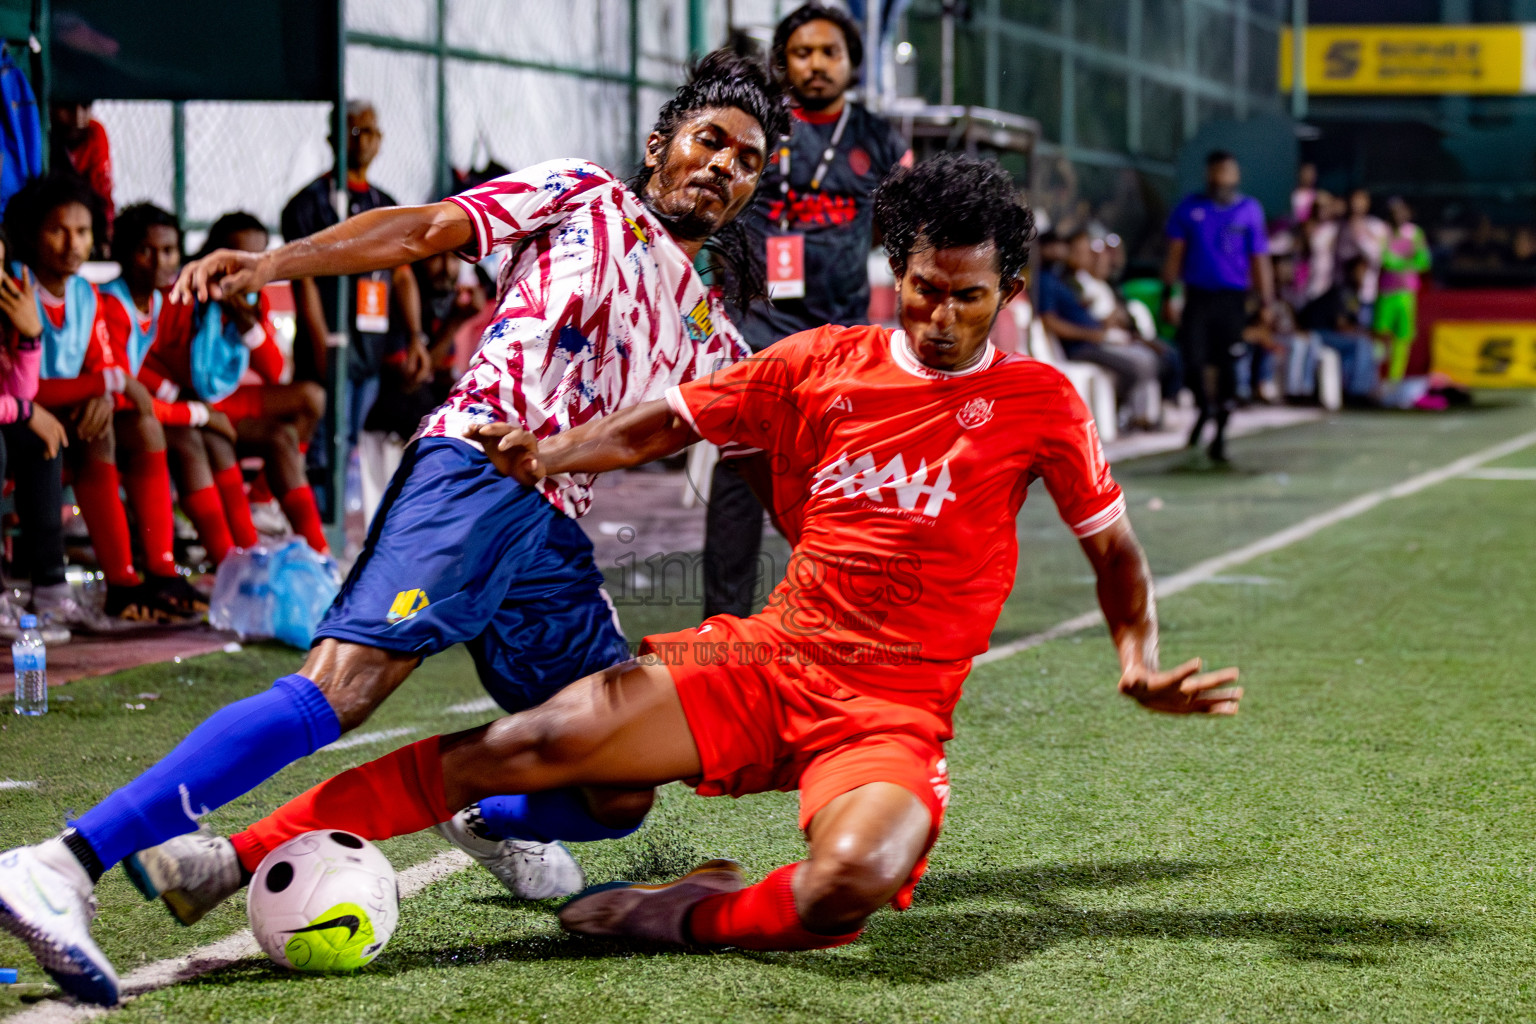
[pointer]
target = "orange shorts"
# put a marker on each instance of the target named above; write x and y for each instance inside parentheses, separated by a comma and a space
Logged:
(765, 722)
(246, 403)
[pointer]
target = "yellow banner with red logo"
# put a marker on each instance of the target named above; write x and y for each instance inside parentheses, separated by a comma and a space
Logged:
(1479, 354)
(1414, 59)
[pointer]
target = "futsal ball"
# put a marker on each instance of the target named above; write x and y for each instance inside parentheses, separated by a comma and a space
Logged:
(323, 901)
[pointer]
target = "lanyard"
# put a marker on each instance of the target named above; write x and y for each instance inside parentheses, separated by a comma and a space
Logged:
(827, 156)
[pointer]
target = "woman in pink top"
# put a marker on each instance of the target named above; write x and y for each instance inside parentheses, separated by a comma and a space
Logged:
(31, 439)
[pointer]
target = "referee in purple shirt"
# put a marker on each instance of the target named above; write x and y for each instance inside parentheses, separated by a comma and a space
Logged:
(1218, 246)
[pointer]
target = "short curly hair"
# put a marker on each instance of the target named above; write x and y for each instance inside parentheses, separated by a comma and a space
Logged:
(952, 201)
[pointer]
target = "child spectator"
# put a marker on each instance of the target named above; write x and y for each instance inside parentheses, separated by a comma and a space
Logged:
(147, 246)
(80, 147)
(204, 350)
(104, 408)
(31, 444)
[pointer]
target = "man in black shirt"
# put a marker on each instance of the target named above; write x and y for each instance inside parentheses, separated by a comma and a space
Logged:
(813, 222)
(381, 302)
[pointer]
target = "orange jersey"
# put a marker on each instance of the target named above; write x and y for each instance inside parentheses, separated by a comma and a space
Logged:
(899, 486)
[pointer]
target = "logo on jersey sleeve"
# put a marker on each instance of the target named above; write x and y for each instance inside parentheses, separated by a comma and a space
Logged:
(976, 412)
(923, 490)
(407, 604)
(698, 323)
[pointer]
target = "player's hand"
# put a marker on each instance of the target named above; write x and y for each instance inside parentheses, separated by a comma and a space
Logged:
(219, 424)
(19, 305)
(418, 363)
(49, 430)
(93, 417)
(222, 273)
(1184, 690)
(515, 451)
(135, 391)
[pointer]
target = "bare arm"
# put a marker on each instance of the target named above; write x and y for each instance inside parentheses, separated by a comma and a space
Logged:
(311, 310)
(1264, 278)
(1125, 595)
(629, 437)
(380, 239)
(1173, 269)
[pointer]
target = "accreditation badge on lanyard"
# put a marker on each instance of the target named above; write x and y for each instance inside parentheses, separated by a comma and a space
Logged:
(786, 251)
(372, 306)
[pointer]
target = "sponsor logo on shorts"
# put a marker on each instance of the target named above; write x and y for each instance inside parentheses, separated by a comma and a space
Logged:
(940, 781)
(407, 604)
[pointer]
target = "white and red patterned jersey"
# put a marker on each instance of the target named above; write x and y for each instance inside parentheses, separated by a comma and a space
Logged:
(598, 309)
(898, 484)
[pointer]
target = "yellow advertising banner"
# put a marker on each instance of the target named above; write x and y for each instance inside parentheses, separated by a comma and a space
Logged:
(1414, 59)
(1478, 354)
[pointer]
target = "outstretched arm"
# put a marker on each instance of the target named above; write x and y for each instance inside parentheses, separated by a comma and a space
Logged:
(379, 239)
(1125, 595)
(629, 437)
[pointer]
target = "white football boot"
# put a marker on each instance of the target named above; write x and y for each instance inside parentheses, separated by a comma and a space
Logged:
(191, 874)
(46, 902)
(651, 913)
(529, 870)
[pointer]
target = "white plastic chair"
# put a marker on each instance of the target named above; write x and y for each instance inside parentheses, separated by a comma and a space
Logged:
(1093, 384)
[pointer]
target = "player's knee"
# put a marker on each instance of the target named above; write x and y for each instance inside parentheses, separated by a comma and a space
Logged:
(847, 883)
(620, 808)
(314, 398)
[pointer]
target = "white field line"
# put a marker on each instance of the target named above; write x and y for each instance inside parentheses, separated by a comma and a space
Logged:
(1204, 571)
(13, 784)
(218, 955)
(362, 739)
(472, 707)
(1502, 473)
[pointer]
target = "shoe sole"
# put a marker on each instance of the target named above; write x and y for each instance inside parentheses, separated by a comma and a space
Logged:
(89, 983)
(573, 919)
(182, 909)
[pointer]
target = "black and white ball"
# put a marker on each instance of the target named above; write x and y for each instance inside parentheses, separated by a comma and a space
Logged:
(324, 901)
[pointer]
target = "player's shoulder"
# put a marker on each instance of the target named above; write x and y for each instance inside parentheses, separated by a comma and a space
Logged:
(1040, 386)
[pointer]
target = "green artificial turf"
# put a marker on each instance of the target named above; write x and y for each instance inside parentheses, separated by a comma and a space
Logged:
(1353, 846)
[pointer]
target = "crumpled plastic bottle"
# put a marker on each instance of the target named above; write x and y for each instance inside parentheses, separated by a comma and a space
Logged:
(279, 592)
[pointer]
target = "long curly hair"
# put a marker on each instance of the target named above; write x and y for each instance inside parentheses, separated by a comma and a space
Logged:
(725, 79)
(951, 201)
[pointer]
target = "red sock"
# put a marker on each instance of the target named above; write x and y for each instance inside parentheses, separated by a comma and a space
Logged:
(96, 489)
(206, 510)
(762, 916)
(300, 508)
(396, 795)
(237, 510)
(149, 492)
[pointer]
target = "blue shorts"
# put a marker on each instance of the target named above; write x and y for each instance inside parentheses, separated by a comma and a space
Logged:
(459, 553)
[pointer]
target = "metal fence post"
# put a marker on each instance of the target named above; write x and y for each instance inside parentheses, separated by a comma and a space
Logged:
(336, 365)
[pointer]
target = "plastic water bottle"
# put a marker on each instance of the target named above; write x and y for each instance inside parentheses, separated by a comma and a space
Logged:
(30, 659)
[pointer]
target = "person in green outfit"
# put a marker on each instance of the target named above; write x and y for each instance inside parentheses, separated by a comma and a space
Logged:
(1396, 319)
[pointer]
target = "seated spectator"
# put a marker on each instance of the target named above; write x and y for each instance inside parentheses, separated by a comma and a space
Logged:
(147, 246)
(1084, 338)
(1094, 277)
(408, 391)
(107, 413)
(205, 349)
(80, 147)
(32, 442)
(1334, 317)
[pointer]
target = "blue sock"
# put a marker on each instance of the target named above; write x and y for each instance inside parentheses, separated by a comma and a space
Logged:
(545, 817)
(236, 749)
